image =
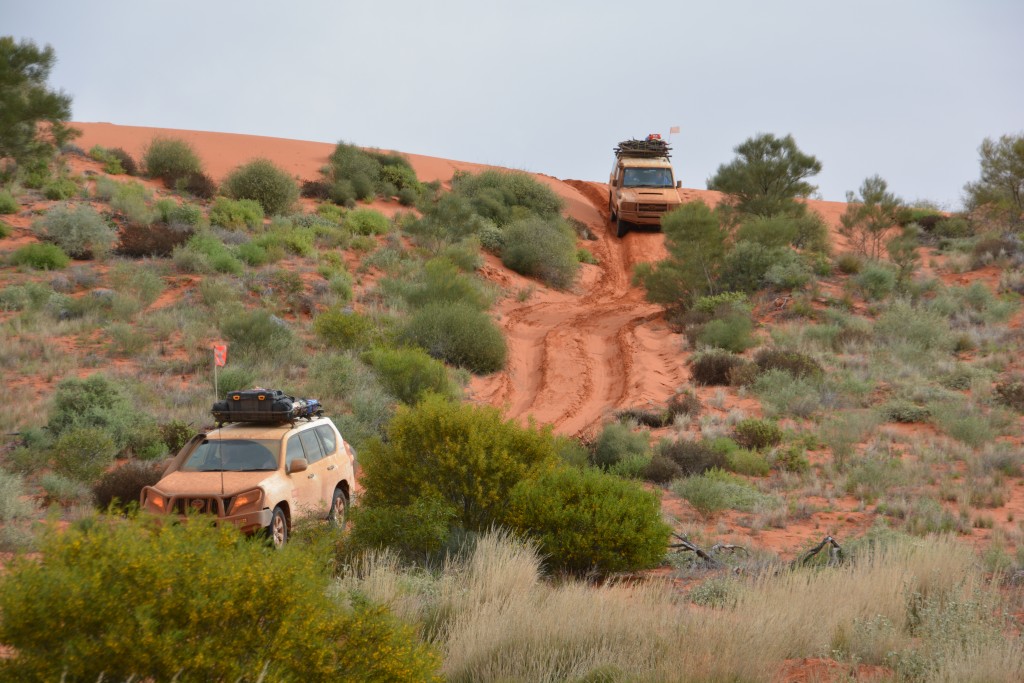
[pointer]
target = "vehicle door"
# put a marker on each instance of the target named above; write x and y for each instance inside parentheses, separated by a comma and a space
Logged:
(305, 485)
(318, 466)
(338, 465)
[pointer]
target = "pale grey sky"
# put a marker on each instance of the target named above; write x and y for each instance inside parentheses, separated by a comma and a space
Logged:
(903, 88)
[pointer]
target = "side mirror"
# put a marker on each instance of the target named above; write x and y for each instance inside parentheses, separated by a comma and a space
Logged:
(298, 465)
(679, 184)
(614, 183)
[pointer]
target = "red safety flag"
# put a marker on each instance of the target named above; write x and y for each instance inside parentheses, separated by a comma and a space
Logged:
(220, 355)
(673, 130)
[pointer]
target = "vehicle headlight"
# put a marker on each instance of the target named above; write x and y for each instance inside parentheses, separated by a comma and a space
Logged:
(155, 501)
(249, 499)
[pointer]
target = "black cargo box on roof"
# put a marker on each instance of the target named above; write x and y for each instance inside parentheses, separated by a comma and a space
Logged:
(267, 406)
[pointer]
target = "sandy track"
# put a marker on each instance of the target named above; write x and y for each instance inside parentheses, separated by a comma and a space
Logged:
(574, 358)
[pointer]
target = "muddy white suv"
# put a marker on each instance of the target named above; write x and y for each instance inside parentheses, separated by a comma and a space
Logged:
(259, 476)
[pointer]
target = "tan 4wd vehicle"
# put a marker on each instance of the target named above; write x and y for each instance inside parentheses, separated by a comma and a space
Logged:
(259, 476)
(641, 187)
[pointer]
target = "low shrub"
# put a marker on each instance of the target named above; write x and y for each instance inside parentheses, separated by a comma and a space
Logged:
(255, 334)
(94, 402)
(14, 501)
(587, 521)
(712, 368)
(123, 485)
(125, 160)
(1010, 393)
(876, 281)
(795, 363)
(732, 332)
(920, 328)
(8, 204)
(83, 453)
(717, 490)
(184, 213)
(344, 329)
(792, 458)
(504, 196)
(783, 394)
(417, 531)
(156, 240)
(757, 434)
(198, 185)
(849, 263)
(442, 282)
(746, 462)
(79, 231)
(459, 334)
(82, 614)
(691, 457)
(60, 189)
(468, 456)
(541, 248)
(409, 374)
(64, 491)
(263, 182)
(175, 434)
(236, 214)
(40, 256)
(367, 222)
(616, 442)
(661, 469)
(901, 410)
(170, 160)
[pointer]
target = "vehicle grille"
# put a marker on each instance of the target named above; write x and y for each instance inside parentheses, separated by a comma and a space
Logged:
(198, 506)
(658, 208)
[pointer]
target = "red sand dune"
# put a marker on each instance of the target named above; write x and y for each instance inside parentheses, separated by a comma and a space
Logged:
(575, 357)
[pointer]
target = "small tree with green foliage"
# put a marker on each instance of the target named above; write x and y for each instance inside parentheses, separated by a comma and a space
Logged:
(33, 118)
(695, 241)
(171, 160)
(869, 218)
(1001, 184)
(767, 177)
(468, 456)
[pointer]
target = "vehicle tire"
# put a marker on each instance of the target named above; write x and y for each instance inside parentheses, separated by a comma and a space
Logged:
(338, 514)
(621, 228)
(611, 209)
(277, 531)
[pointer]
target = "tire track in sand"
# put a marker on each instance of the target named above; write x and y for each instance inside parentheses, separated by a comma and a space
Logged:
(576, 357)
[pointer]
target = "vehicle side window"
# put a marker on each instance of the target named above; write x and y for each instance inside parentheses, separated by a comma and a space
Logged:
(311, 445)
(294, 451)
(328, 439)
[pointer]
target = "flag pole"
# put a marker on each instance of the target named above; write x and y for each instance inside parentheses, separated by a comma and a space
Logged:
(216, 387)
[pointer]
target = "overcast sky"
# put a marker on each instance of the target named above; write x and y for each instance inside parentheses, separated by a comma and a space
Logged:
(906, 89)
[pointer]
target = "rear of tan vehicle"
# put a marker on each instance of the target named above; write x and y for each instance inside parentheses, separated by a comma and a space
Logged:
(641, 191)
(259, 477)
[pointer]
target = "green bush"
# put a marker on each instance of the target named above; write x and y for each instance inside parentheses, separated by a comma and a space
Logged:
(783, 394)
(123, 486)
(849, 263)
(367, 222)
(60, 189)
(8, 204)
(441, 282)
(83, 453)
(5, 230)
(876, 281)
(236, 214)
(504, 196)
(746, 462)
(79, 231)
(175, 434)
(713, 368)
(248, 614)
(256, 334)
(410, 373)
(64, 491)
(919, 328)
(184, 213)
(40, 256)
(587, 521)
(541, 248)
(458, 334)
(795, 363)
(233, 378)
(416, 531)
(616, 442)
(901, 410)
(94, 402)
(691, 457)
(717, 490)
(261, 181)
(732, 332)
(343, 329)
(466, 455)
(171, 160)
(757, 434)
(745, 265)
(1010, 392)
(14, 501)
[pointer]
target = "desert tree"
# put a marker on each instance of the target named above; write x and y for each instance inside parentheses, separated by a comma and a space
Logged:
(767, 177)
(1001, 185)
(33, 117)
(696, 243)
(869, 218)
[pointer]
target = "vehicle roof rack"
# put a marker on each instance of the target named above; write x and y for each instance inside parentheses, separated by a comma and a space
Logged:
(649, 148)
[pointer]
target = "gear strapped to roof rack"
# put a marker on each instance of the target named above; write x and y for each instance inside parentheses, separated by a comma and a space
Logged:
(266, 406)
(650, 148)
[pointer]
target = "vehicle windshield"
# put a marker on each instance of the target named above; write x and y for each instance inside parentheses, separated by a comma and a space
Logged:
(647, 177)
(233, 455)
